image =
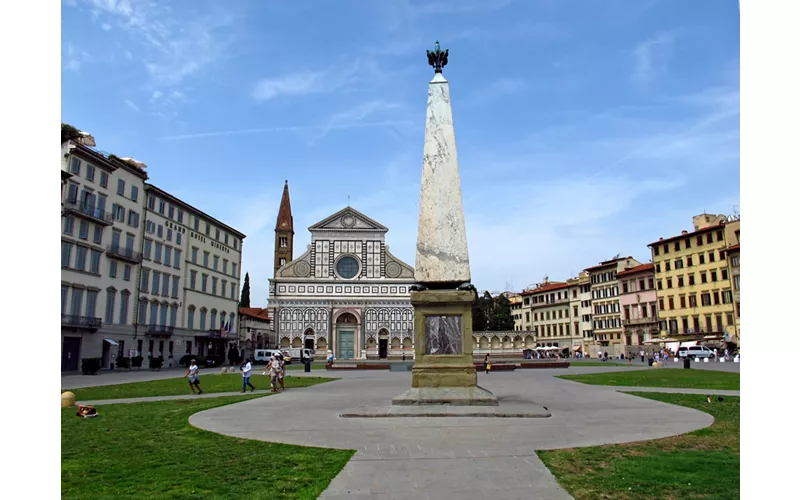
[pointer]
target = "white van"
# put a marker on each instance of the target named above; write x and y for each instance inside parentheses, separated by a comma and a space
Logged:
(263, 355)
(695, 351)
(293, 353)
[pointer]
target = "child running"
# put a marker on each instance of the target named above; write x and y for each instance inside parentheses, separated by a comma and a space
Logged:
(194, 376)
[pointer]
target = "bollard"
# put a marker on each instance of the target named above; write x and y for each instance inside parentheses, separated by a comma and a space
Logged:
(67, 399)
(675, 359)
(705, 360)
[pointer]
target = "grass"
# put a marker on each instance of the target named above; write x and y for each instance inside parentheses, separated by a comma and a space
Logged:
(599, 363)
(662, 377)
(210, 383)
(703, 464)
(149, 450)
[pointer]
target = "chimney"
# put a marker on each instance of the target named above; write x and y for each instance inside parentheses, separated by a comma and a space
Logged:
(684, 232)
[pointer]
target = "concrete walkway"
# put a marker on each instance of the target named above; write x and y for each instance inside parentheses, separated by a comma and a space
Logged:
(446, 458)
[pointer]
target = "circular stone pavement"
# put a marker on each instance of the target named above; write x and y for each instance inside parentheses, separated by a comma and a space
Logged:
(450, 457)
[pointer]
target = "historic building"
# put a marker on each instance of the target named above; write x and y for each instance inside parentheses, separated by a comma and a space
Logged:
(346, 293)
(606, 311)
(584, 302)
(142, 272)
(255, 330)
(693, 281)
(639, 305)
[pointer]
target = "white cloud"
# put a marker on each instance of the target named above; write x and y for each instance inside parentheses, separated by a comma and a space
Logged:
(106, 27)
(651, 57)
(131, 105)
(306, 82)
(174, 47)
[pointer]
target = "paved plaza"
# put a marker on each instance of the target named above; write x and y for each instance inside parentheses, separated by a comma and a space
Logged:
(452, 457)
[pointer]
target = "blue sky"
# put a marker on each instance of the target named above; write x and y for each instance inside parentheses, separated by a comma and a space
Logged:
(585, 128)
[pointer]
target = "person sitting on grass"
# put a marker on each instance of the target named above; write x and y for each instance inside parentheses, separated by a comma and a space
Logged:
(194, 376)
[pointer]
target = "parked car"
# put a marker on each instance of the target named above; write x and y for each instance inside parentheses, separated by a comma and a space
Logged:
(695, 351)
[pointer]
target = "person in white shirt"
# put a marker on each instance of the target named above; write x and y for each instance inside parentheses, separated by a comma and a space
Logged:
(194, 376)
(246, 369)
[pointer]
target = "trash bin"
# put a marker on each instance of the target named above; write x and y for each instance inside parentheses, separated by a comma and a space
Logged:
(307, 367)
(687, 363)
(649, 361)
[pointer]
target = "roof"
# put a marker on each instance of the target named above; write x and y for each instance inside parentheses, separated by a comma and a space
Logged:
(546, 288)
(734, 248)
(607, 263)
(321, 225)
(172, 198)
(285, 221)
(636, 269)
(706, 229)
(255, 312)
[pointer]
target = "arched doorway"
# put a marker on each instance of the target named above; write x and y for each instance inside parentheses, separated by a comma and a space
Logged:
(297, 342)
(383, 343)
(322, 344)
(285, 342)
(308, 339)
(484, 343)
(346, 327)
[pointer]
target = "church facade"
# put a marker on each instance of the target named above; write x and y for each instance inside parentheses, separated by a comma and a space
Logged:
(346, 294)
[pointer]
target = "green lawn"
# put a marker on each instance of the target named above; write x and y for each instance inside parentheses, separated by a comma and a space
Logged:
(599, 363)
(703, 464)
(149, 450)
(210, 383)
(662, 377)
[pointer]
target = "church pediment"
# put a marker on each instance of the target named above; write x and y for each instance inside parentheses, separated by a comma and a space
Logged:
(348, 219)
(298, 268)
(396, 268)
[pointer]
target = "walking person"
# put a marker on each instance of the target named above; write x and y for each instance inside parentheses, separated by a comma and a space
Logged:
(194, 376)
(487, 364)
(272, 370)
(246, 368)
(281, 371)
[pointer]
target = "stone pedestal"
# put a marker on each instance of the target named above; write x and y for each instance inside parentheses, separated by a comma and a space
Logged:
(443, 372)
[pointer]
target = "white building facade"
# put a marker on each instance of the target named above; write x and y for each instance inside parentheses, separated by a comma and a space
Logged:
(346, 294)
(127, 267)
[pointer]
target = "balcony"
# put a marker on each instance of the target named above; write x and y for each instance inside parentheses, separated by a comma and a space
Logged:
(122, 253)
(160, 330)
(89, 212)
(81, 322)
(639, 321)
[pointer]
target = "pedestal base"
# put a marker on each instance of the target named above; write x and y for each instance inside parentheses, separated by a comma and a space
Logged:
(453, 396)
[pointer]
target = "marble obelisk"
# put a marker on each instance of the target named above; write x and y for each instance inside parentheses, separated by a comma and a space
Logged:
(444, 371)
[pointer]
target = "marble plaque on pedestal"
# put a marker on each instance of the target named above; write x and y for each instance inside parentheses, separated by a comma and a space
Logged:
(443, 334)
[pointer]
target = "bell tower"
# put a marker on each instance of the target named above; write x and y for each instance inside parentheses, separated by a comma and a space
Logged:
(284, 232)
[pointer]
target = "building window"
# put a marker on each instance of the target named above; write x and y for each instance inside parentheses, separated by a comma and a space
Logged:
(680, 281)
(213, 319)
(282, 261)
(104, 179)
(80, 258)
(180, 216)
(224, 288)
(194, 255)
(178, 238)
(699, 240)
(727, 297)
(703, 278)
(736, 282)
(161, 206)
(111, 296)
(284, 241)
(713, 276)
(711, 257)
(216, 262)
(125, 297)
(213, 286)
(112, 268)
(171, 212)
(83, 231)
(75, 166)
(689, 261)
(177, 260)
(233, 269)
(190, 318)
(671, 303)
(147, 248)
(145, 280)
(692, 300)
(691, 279)
(205, 259)
(134, 193)
(165, 286)
(716, 298)
(94, 262)
(678, 246)
(204, 283)
(192, 279)
(167, 255)
(157, 256)
(669, 282)
(729, 318)
(678, 263)
(735, 261)
(720, 236)
(705, 299)
(683, 301)
(666, 248)
(121, 187)
(655, 250)
(169, 234)
(98, 235)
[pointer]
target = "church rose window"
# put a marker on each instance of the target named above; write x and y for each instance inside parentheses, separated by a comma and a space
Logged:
(347, 267)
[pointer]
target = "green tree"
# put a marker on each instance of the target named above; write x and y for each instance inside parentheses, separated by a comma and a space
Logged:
(244, 301)
(479, 322)
(500, 317)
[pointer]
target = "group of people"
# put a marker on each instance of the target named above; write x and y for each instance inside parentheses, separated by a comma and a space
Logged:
(276, 368)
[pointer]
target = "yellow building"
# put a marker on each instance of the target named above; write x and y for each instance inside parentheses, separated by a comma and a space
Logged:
(693, 280)
(517, 312)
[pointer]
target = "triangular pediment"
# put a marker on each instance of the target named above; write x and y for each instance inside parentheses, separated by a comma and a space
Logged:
(348, 219)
